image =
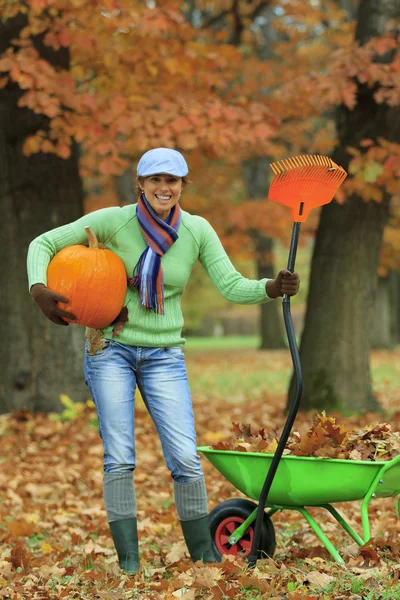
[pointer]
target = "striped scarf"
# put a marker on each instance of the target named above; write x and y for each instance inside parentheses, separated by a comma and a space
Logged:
(159, 236)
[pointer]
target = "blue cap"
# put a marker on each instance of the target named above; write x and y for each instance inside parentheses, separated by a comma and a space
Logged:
(162, 160)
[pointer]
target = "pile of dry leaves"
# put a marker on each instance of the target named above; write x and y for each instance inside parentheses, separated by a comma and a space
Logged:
(325, 439)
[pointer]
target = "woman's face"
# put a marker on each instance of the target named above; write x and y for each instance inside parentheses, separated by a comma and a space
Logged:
(162, 192)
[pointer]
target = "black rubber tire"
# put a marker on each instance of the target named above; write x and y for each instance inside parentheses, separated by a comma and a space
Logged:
(242, 508)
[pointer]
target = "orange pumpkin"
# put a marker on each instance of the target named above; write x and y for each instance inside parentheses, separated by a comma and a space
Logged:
(92, 278)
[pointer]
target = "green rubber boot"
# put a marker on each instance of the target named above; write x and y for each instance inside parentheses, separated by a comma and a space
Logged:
(198, 540)
(125, 536)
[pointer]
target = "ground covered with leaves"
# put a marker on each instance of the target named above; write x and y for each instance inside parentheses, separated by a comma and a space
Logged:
(55, 541)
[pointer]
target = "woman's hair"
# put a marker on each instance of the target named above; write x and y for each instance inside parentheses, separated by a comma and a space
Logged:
(185, 181)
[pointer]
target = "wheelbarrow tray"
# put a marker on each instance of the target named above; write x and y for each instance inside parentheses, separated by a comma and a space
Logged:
(304, 480)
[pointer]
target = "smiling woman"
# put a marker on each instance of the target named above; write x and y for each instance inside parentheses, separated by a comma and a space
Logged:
(159, 244)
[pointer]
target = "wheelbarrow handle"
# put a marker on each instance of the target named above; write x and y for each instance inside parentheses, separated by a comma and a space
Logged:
(252, 558)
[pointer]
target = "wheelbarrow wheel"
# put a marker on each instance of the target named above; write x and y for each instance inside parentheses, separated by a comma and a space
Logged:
(227, 516)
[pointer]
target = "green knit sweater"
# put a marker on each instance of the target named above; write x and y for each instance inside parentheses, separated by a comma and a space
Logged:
(119, 230)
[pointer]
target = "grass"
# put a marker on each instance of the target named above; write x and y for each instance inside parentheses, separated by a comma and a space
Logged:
(253, 374)
(350, 583)
(385, 375)
(232, 367)
(222, 343)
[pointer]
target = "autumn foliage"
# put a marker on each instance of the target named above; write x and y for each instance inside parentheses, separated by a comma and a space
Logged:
(325, 439)
(143, 76)
(139, 78)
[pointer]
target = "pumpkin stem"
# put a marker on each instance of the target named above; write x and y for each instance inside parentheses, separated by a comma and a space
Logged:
(93, 243)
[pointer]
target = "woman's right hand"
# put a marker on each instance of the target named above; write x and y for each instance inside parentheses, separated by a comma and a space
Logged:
(47, 302)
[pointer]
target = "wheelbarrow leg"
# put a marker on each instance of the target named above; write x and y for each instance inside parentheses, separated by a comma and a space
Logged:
(343, 523)
(320, 534)
(377, 488)
(365, 518)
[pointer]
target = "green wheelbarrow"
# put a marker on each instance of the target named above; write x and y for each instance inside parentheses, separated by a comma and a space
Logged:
(284, 482)
(299, 482)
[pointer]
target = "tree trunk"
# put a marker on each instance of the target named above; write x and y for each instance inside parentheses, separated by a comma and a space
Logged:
(271, 328)
(395, 296)
(271, 323)
(381, 330)
(39, 360)
(335, 344)
(125, 187)
(385, 324)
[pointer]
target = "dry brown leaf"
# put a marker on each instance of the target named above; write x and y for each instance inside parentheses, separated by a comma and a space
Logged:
(95, 339)
(20, 528)
(119, 322)
(48, 571)
(20, 555)
(367, 557)
(319, 579)
(177, 552)
(206, 576)
(255, 580)
(186, 578)
(222, 446)
(93, 547)
(187, 594)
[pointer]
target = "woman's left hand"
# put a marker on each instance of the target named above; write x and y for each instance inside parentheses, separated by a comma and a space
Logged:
(287, 283)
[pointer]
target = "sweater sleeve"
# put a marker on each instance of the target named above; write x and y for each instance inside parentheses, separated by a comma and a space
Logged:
(230, 283)
(104, 223)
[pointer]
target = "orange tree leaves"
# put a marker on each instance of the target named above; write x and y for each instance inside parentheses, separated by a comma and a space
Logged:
(139, 78)
(142, 77)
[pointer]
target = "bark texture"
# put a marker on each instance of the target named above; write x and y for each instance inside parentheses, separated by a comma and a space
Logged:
(336, 340)
(39, 360)
(386, 322)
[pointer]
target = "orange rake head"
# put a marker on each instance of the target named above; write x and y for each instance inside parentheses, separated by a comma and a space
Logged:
(304, 182)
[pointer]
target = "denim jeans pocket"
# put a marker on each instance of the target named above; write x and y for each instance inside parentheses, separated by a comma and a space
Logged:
(174, 352)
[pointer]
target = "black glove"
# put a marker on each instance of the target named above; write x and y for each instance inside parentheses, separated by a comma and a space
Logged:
(287, 282)
(47, 302)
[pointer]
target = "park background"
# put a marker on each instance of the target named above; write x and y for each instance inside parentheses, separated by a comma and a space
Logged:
(86, 88)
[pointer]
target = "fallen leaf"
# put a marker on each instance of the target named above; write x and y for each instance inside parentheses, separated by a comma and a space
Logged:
(119, 322)
(95, 339)
(185, 593)
(318, 579)
(206, 576)
(49, 571)
(46, 548)
(177, 552)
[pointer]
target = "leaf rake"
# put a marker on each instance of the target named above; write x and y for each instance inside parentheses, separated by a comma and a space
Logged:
(304, 182)
(301, 182)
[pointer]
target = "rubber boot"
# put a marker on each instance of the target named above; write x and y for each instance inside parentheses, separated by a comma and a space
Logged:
(125, 536)
(198, 540)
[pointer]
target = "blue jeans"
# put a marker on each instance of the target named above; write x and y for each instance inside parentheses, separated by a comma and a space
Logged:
(160, 374)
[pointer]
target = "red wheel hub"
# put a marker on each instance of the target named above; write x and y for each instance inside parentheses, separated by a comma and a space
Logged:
(225, 530)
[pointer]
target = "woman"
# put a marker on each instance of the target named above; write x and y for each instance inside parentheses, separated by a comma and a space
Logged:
(159, 244)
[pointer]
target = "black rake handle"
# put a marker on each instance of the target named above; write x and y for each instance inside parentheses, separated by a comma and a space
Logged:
(252, 558)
